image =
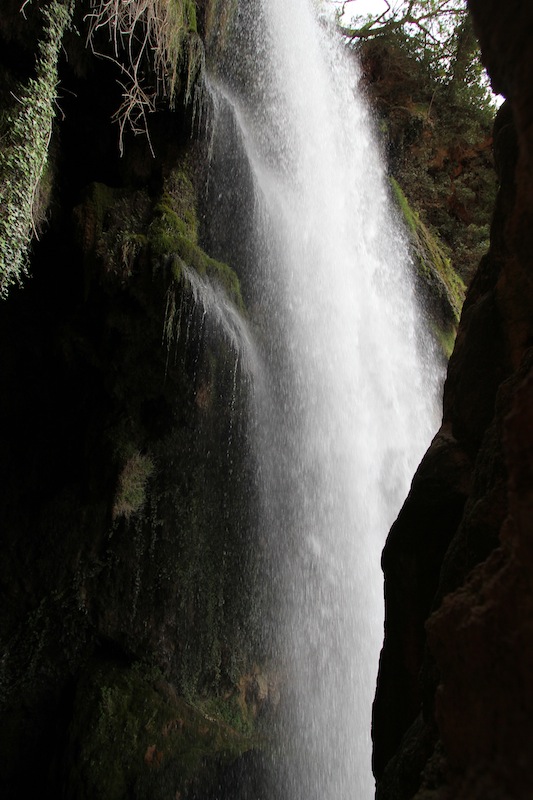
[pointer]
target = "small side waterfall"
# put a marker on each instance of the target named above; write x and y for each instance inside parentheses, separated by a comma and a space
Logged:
(347, 401)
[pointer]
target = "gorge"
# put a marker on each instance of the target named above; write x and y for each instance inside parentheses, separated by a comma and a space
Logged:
(196, 480)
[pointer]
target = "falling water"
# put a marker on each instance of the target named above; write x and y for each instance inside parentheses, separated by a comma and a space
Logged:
(346, 403)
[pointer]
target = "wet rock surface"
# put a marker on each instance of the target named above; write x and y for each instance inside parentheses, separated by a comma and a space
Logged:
(452, 710)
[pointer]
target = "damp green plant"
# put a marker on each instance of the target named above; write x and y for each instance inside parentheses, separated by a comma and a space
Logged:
(433, 262)
(25, 132)
(443, 286)
(134, 735)
(160, 34)
(132, 485)
(173, 236)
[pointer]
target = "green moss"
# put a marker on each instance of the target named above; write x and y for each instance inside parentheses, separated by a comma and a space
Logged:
(403, 204)
(174, 232)
(27, 128)
(180, 50)
(131, 732)
(179, 196)
(111, 230)
(117, 227)
(447, 341)
(228, 710)
(131, 492)
(190, 14)
(434, 265)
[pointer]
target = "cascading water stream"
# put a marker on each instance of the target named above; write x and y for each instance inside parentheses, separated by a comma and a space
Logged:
(346, 403)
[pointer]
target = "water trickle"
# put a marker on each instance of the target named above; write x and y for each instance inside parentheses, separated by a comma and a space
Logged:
(211, 308)
(346, 403)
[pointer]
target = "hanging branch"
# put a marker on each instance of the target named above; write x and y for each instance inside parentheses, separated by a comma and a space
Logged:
(415, 13)
(146, 35)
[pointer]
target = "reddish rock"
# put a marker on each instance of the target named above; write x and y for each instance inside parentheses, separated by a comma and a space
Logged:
(454, 706)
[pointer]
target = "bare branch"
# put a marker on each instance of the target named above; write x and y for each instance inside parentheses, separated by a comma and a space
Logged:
(142, 32)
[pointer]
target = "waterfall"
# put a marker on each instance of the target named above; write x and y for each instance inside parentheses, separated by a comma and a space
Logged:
(346, 404)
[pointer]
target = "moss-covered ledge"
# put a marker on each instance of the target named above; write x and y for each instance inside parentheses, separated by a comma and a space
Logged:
(122, 231)
(443, 288)
(173, 233)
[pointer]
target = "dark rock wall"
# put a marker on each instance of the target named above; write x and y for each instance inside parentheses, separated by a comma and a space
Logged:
(125, 481)
(453, 709)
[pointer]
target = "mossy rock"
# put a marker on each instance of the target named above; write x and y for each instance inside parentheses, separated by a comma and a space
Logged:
(132, 736)
(443, 288)
(118, 229)
(173, 233)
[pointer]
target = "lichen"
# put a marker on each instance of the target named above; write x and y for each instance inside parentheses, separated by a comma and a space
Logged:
(26, 132)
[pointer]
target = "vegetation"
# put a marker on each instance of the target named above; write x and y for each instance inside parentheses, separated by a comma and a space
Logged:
(443, 288)
(132, 482)
(437, 32)
(422, 72)
(25, 131)
(134, 736)
(155, 45)
(160, 34)
(119, 229)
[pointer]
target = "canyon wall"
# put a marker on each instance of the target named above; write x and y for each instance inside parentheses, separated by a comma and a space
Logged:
(452, 715)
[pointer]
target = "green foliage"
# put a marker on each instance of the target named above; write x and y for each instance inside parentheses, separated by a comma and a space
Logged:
(174, 233)
(26, 128)
(111, 226)
(443, 286)
(132, 483)
(133, 733)
(436, 33)
(228, 710)
(118, 227)
(431, 256)
(190, 12)
(157, 38)
(437, 137)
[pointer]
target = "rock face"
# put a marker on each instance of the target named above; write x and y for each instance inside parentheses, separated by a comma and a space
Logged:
(125, 619)
(453, 709)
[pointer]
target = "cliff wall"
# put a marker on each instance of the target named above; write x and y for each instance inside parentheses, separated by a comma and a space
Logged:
(130, 660)
(452, 715)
